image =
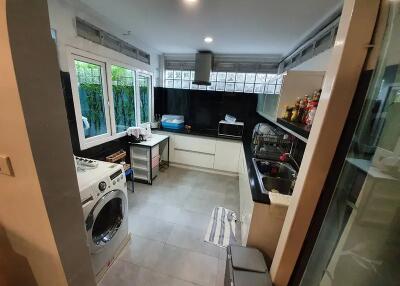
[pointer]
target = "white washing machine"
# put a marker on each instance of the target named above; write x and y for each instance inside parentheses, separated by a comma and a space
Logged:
(104, 200)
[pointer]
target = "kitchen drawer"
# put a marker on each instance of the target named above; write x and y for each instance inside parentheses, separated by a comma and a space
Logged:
(197, 144)
(194, 158)
(155, 151)
(155, 171)
(141, 153)
(155, 161)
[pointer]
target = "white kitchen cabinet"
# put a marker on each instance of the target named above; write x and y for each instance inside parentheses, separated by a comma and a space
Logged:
(261, 224)
(194, 159)
(195, 144)
(227, 155)
(246, 200)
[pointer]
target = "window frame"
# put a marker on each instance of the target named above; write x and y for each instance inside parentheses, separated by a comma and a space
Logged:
(221, 79)
(86, 143)
(151, 97)
(108, 97)
(111, 95)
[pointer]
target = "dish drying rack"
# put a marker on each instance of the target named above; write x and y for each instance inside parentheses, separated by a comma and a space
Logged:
(272, 144)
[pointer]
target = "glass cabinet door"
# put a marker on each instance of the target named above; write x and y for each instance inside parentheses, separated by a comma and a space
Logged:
(359, 240)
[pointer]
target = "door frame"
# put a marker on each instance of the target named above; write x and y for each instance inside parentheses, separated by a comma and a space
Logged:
(348, 57)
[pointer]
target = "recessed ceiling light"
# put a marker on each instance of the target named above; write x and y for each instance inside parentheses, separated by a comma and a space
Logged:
(208, 40)
(190, 1)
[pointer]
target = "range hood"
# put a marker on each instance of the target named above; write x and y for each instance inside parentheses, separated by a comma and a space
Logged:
(204, 60)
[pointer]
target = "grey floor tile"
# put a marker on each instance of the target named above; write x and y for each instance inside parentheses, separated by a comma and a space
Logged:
(188, 265)
(142, 251)
(156, 279)
(168, 221)
(193, 219)
(193, 240)
(203, 205)
(199, 268)
(221, 273)
(149, 227)
(121, 273)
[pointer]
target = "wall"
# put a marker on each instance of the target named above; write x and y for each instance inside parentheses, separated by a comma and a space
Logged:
(348, 58)
(62, 18)
(204, 109)
(62, 15)
(42, 236)
(27, 242)
(318, 63)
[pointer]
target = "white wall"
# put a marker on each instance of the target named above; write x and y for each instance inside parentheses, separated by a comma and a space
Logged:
(62, 18)
(318, 63)
(28, 250)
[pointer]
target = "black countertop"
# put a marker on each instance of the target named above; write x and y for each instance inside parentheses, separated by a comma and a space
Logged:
(257, 195)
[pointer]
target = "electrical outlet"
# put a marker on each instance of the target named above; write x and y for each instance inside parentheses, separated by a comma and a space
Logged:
(5, 166)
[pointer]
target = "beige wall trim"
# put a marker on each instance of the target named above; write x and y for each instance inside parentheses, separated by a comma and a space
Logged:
(44, 142)
(348, 57)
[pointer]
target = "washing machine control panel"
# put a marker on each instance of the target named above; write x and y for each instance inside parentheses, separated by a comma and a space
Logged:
(102, 186)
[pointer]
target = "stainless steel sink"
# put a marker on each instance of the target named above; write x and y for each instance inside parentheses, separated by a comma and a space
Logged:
(275, 176)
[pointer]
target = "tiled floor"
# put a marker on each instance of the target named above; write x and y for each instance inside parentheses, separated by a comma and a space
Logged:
(168, 222)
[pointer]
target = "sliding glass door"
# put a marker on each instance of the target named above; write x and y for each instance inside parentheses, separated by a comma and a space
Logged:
(359, 241)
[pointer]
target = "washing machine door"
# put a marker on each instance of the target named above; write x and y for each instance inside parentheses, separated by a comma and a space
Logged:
(105, 219)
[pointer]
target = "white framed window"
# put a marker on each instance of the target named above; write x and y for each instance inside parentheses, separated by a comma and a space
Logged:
(123, 99)
(144, 100)
(108, 97)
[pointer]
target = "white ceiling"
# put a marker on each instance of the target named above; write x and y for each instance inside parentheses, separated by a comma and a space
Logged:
(269, 27)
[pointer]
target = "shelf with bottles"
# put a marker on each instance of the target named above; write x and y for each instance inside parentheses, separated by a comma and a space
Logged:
(300, 116)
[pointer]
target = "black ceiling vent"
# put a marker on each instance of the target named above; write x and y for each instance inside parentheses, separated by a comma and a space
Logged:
(204, 63)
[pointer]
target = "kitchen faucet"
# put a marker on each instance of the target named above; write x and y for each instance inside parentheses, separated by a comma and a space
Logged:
(286, 157)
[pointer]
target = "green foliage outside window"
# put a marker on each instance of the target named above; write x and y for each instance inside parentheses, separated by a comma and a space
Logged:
(144, 83)
(91, 98)
(124, 97)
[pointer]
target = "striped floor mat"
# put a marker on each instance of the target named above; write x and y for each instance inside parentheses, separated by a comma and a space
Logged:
(222, 226)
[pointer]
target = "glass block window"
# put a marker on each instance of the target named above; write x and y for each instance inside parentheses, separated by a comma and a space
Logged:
(225, 81)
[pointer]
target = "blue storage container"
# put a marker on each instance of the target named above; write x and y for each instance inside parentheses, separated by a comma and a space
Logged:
(169, 121)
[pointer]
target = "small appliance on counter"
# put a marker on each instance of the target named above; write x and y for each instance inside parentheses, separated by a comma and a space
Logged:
(230, 127)
(138, 134)
(170, 121)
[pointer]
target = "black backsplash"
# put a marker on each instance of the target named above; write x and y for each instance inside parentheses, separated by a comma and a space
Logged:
(202, 110)
(98, 152)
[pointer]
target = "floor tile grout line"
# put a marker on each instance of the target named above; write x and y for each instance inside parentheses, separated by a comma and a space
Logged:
(162, 274)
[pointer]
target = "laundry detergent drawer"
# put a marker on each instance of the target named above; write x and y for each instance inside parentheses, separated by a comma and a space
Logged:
(194, 159)
(196, 144)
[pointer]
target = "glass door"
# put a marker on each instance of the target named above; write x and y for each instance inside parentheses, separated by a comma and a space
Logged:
(359, 241)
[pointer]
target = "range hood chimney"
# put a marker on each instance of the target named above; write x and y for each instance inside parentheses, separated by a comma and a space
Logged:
(204, 61)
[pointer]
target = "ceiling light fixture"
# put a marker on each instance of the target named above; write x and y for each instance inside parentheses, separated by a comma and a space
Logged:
(190, 1)
(208, 40)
